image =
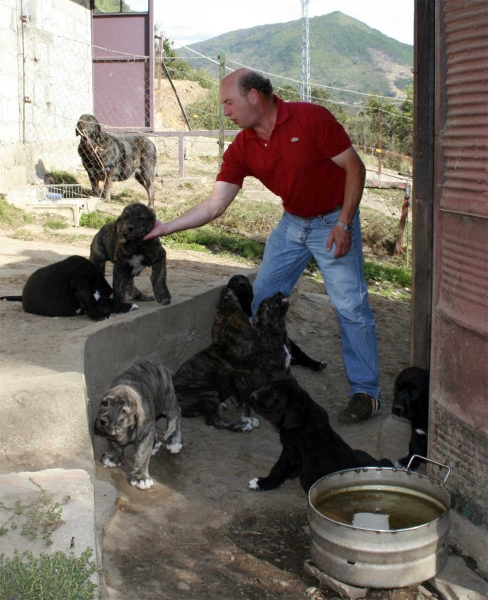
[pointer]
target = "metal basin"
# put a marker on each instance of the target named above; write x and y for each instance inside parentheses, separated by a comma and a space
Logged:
(367, 550)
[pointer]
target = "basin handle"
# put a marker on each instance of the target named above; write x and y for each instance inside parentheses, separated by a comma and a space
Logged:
(433, 462)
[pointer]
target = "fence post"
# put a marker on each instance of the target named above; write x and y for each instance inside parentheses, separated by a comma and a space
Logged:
(380, 135)
(221, 110)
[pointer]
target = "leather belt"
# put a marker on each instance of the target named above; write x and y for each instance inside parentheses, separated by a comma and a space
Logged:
(321, 215)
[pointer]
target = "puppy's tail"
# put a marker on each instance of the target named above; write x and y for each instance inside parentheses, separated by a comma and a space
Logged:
(11, 298)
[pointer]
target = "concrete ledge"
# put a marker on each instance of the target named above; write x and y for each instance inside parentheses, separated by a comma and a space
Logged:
(47, 411)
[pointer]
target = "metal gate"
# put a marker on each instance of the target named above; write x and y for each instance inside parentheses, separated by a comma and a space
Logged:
(123, 71)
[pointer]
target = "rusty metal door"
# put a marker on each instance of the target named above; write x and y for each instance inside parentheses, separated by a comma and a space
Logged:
(123, 73)
(459, 359)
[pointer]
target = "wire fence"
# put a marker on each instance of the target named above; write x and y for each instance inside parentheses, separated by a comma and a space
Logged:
(53, 79)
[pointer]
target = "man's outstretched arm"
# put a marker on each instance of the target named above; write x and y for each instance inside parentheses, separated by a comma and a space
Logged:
(209, 209)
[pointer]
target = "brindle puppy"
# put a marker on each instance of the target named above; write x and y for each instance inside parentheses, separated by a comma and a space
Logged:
(242, 288)
(239, 357)
(121, 243)
(137, 398)
(108, 157)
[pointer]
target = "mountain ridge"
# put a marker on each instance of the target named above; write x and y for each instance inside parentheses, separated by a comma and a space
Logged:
(344, 53)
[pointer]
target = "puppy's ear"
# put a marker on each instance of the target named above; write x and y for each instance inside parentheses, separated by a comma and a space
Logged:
(293, 413)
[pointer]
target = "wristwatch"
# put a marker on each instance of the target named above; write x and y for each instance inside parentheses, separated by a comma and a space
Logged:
(347, 228)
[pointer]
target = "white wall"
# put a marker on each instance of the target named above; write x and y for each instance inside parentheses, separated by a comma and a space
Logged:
(48, 61)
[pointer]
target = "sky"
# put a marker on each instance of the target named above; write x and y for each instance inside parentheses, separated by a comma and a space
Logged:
(190, 21)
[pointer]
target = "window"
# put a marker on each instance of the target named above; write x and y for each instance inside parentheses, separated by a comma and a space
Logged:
(104, 7)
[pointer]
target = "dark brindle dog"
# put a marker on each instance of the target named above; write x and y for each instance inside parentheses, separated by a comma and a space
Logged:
(311, 448)
(242, 288)
(108, 158)
(73, 286)
(240, 357)
(128, 413)
(412, 402)
(121, 243)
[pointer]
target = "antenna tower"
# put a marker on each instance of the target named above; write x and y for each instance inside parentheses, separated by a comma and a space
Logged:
(305, 90)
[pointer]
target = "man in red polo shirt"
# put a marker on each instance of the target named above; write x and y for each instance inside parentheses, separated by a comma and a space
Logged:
(303, 155)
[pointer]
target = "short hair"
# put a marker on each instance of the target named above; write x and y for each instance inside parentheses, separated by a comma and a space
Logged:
(253, 80)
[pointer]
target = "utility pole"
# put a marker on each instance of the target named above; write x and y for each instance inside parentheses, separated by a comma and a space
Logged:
(305, 90)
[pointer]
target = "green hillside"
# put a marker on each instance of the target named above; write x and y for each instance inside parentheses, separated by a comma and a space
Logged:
(344, 52)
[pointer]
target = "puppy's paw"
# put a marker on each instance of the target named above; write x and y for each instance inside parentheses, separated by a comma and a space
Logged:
(249, 423)
(164, 301)
(156, 447)
(133, 307)
(145, 298)
(175, 447)
(142, 484)
(108, 461)
(254, 484)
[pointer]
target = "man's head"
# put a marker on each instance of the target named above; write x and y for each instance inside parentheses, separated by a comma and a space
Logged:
(245, 95)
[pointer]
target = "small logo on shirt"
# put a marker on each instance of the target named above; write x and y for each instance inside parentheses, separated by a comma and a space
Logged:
(294, 139)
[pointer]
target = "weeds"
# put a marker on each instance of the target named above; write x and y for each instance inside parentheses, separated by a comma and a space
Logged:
(96, 219)
(39, 519)
(55, 224)
(48, 577)
(59, 177)
(23, 234)
(10, 215)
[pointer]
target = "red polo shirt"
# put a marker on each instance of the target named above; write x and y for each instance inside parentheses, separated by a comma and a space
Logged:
(295, 164)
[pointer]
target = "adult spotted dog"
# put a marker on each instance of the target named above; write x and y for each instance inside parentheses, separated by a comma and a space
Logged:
(108, 157)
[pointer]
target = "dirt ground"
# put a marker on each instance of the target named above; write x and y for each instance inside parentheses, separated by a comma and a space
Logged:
(200, 532)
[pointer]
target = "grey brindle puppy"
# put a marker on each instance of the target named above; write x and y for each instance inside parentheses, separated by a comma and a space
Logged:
(121, 243)
(128, 412)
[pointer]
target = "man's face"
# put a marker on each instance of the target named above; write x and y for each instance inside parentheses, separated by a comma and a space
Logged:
(241, 110)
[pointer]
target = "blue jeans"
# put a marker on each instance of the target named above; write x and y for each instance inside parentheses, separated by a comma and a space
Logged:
(288, 251)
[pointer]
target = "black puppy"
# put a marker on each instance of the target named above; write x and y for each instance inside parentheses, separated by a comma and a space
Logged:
(121, 242)
(242, 288)
(240, 358)
(108, 157)
(311, 447)
(412, 402)
(73, 286)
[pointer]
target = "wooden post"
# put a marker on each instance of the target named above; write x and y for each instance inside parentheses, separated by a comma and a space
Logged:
(159, 72)
(221, 110)
(403, 222)
(181, 155)
(380, 135)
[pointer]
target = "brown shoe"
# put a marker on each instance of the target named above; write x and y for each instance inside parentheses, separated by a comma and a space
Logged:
(361, 406)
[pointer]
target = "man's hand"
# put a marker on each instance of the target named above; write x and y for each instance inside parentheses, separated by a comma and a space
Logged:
(341, 239)
(158, 229)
